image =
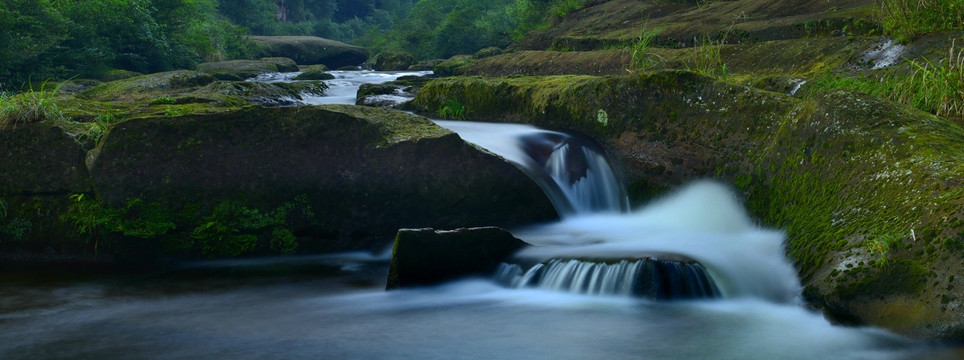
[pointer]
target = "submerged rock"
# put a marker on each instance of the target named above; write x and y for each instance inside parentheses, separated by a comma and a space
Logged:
(428, 256)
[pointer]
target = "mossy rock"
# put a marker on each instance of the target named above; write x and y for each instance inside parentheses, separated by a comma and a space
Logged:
(41, 158)
(487, 52)
(314, 72)
(454, 66)
(310, 50)
(148, 85)
(391, 61)
(237, 70)
(366, 172)
(425, 65)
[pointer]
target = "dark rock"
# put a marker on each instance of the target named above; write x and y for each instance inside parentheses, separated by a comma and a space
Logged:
(314, 72)
(41, 159)
(312, 50)
(428, 256)
(366, 172)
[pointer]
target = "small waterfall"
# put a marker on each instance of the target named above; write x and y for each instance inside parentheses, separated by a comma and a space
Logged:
(572, 170)
(648, 278)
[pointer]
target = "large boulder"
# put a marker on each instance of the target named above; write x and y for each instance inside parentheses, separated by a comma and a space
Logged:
(867, 191)
(41, 159)
(391, 61)
(309, 50)
(364, 172)
(428, 256)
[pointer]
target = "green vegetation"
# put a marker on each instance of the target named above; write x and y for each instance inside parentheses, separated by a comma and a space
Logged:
(12, 228)
(907, 20)
(62, 39)
(229, 229)
(29, 107)
(937, 88)
(641, 58)
(453, 109)
(707, 60)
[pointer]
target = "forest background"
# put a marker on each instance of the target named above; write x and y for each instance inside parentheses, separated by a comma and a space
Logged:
(42, 39)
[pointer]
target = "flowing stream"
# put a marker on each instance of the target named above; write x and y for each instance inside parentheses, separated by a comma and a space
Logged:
(334, 306)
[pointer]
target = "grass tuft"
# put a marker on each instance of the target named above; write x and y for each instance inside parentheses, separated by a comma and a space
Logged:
(907, 20)
(29, 107)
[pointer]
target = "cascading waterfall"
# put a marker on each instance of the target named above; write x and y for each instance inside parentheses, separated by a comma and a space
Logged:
(573, 171)
(649, 278)
(703, 222)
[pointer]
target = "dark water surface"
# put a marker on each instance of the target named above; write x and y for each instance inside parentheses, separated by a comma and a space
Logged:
(334, 308)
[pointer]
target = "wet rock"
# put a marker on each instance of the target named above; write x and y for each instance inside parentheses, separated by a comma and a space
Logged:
(428, 256)
(314, 72)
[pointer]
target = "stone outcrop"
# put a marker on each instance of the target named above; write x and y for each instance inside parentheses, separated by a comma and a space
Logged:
(309, 50)
(428, 256)
(365, 172)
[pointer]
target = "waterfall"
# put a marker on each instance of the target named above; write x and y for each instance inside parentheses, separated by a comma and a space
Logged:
(572, 170)
(648, 278)
(704, 222)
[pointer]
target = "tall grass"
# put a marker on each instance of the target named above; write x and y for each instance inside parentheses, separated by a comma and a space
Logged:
(936, 88)
(29, 107)
(706, 59)
(907, 20)
(641, 58)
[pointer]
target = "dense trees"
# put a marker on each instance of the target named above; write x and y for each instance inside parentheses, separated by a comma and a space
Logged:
(43, 39)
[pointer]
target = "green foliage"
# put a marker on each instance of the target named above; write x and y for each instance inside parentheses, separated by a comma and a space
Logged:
(907, 20)
(881, 246)
(641, 58)
(707, 61)
(935, 88)
(229, 229)
(54, 38)
(13, 228)
(453, 109)
(29, 107)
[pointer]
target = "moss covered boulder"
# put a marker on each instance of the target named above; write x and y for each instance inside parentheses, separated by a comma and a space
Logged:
(169, 89)
(868, 191)
(310, 50)
(391, 61)
(238, 70)
(363, 172)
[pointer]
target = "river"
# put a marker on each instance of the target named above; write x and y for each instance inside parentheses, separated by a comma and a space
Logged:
(335, 306)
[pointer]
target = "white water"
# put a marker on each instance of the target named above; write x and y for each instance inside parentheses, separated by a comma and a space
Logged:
(251, 310)
(591, 186)
(343, 89)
